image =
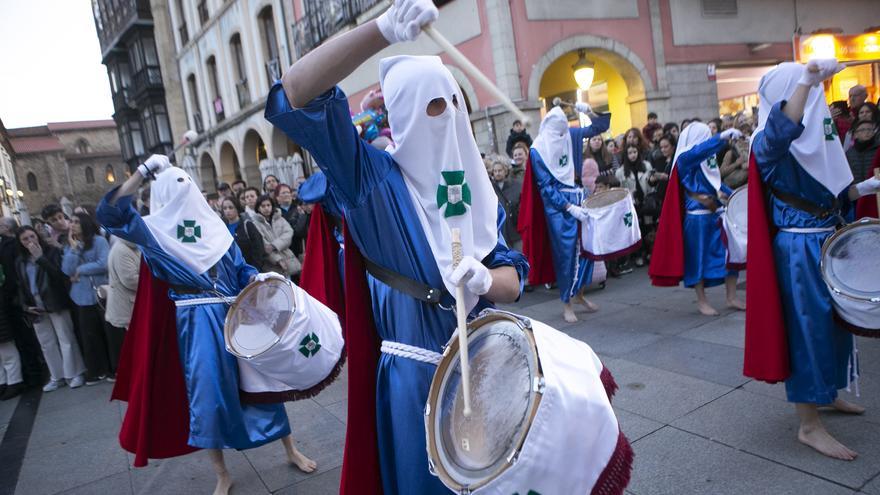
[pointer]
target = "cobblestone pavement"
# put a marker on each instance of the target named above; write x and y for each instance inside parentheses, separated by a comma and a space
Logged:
(697, 425)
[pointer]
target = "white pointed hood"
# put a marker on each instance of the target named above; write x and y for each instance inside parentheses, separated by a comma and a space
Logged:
(184, 224)
(439, 159)
(818, 149)
(691, 136)
(554, 145)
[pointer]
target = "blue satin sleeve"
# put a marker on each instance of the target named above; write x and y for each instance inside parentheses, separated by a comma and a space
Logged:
(316, 189)
(547, 184)
(690, 172)
(502, 255)
(324, 128)
(772, 144)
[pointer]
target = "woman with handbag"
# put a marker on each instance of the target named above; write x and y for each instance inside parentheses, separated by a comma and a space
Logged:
(277, 236)
(85, 262)
(633, 176)
(244, 231)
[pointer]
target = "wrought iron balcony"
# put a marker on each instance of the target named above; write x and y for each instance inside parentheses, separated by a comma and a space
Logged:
(323, 19)
(149, 77)
(203, 12)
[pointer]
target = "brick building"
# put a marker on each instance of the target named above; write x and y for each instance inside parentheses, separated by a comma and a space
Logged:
(74, 160)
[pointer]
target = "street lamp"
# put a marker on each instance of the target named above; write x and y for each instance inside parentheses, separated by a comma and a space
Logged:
(584, 70)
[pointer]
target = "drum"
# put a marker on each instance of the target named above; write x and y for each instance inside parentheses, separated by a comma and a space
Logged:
(612, 227)
(541, 418)
(850, 269)
(284, 339)
(735, 225)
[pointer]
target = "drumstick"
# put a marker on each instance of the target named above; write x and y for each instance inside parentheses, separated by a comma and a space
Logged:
(877, 176)
(461, 313)
(474, 72)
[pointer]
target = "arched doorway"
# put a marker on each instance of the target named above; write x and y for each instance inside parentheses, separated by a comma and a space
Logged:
(254, 153)
(619, 85)
(229, 168)
(207, 172)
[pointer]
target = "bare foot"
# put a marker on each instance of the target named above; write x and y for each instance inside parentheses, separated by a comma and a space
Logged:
(589, 306)
(568, 314)
(304, 464)
(224, 483)
(847, 407)
(706, 309)
(817, 437)
(736, 304)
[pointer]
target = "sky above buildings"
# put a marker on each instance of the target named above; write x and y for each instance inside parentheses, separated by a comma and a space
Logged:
(50, 63)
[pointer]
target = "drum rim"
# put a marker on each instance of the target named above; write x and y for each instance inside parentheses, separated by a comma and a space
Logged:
(450, 356)
(227, 326)
(823, 266)
(614, 190)
(740, 189)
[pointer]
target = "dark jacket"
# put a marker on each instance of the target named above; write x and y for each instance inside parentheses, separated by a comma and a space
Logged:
(517, 136)
(249, 240)
(299, 221)
(860, 160)
(9, 312)
(508, 193)
(52, 283)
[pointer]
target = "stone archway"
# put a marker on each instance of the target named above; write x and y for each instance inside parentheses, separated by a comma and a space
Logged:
(254, 151)
(208, 172)
(230, 171)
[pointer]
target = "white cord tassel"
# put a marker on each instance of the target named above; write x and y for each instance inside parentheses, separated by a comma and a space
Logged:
(852, 369)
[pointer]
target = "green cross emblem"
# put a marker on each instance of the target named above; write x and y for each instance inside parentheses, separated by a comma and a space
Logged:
(830, 129)
(309, 345)
(189, 231)
(455, 194)
(563, 160)
(628, 219)
(712, 162)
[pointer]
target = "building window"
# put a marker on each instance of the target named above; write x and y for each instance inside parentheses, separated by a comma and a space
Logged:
(204, 15)
(110, 175)
(214, 86)
(270, 45)
(194, 103)
(90, 175)
(161, 116)
(32, 182)
(137, 138)
(149, 126)
(241, 82)
(719, 8)
(82, 146)
(181, 24)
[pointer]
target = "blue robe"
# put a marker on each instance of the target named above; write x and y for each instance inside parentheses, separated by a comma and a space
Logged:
(217, 419)
(383, 223)
(818, 348)
(573, 271)
(705, 257)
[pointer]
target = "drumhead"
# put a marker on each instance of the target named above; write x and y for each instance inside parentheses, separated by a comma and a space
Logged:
(469, 452)
(849, 260)
(738, 208)
(605, 198)
(259, 316)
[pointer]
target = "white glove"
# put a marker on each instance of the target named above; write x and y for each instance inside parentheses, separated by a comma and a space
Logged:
(473, 274)
(403, 21)
(154, 165)
(730, 134)
(818, 70)
(262, 277)
(582, 107)
(868, 186)
(577, 212)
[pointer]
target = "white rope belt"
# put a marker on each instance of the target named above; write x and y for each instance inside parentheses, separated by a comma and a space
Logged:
(699, 212)
(571, 190)
(410, 352)
(198, 301)
(798, 230)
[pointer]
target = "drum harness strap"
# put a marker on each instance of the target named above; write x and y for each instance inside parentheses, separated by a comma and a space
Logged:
(216, 297)
(410, 287)
(808, 206)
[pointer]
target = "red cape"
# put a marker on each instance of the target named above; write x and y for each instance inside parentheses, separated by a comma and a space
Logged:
(766, 350)
(150, 378)
(320, 274)
(360, 460)
(532, 226)
(667, 258)
(867, 205)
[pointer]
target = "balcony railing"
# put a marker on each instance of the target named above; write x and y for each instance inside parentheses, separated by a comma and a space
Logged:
(184, 34)
(203, 12)
(323, 19)
(244, 95)
(147, 78)
(218, 109)
(273, 71)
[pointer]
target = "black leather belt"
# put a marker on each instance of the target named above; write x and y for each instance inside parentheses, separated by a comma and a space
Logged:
(808, 206)
(408, 286)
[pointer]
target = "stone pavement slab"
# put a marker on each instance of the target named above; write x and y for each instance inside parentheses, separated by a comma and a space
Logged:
(117, 484)
(52, 470)
(635, 426)
(727, 330)
(192, 474)
(767, 428)
(675, 462)
(704, 360)
(322, 484)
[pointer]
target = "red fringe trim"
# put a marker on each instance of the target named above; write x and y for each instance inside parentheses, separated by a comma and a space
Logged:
(293, 395)
(608, 382)
(658, 281)
(873, 333)
(616, 475)
(613, 256)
